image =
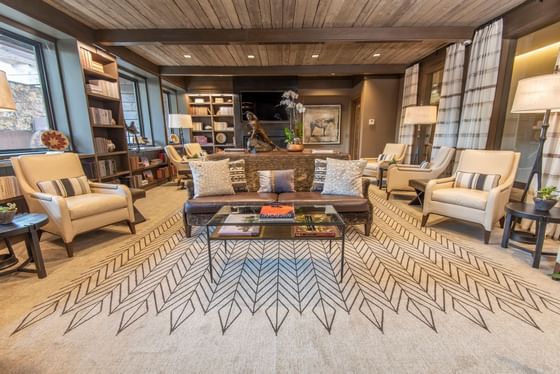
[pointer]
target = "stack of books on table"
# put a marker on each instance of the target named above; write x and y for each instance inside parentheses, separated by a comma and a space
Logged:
(277, 213)
(311, 228)
(231, 229)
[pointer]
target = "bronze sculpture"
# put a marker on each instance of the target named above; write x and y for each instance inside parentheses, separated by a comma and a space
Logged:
(258, 139)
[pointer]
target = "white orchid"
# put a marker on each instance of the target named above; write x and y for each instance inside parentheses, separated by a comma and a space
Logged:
(300, 108)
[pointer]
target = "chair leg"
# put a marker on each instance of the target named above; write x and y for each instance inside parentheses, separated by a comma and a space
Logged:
(388, 195)
(501, 221)
(69, 249)
(425, 219)
(131, 226)
(367, 228)
(487, 236)
(188, 230)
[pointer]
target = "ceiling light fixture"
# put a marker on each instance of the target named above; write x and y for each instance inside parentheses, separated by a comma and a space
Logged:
(187, 56)
(251, 56)
(376, 54)
(314, 56)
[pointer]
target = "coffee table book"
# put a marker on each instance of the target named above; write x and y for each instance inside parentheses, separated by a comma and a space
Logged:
(231, 229)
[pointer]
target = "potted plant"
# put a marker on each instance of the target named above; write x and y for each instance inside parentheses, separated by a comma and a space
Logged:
(546, 198)
(295, 111)
(7, 213)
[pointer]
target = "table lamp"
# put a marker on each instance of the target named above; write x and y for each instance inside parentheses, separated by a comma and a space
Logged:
(7, 103)
(420, 115)
(180, 121)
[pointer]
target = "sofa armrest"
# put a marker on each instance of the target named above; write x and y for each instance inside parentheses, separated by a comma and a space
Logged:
(57, 210)
(105, 186)
(437, 184)
(498, 197)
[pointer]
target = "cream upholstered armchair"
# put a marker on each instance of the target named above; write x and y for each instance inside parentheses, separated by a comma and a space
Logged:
(181, 166)
(194, 151)
(394, 152)
(485, 199)
(398, 176)
(101, 205)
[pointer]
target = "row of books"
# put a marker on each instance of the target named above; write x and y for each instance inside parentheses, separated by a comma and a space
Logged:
(137, 162)
(103, 87)
(107, 167)
(200, 110)
(87, 61)
(103, 145)
(147, 177)
(9, 188)
(225, 111)
(101, 116)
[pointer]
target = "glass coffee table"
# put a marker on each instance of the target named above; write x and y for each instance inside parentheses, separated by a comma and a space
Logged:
(316, 222)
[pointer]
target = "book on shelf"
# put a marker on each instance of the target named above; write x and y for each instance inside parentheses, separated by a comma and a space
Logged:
(315, 231)
(234, 150)
(89, 168)
(97, 66)
(107, 167)
(225, 111)
(99, 116)
(231, 229)
(103, 87)
(200, 111)
(85, 58)
(9, 188)
(277, 212)
(201, 139)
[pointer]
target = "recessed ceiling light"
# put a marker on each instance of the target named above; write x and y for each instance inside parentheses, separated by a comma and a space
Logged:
(251, 56)
(314, 56)
(187, 56)
(376, 54)
(333, 74)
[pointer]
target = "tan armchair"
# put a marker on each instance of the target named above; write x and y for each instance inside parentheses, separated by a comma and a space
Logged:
(194, 151)
(373, 164)
(181, 166)
(482, 207)
(69, 216)
(398, 176)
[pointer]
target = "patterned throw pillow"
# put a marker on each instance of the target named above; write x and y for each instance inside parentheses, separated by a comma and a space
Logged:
(476, 181)
(276, 181)
(319, 175)
(65, 187)
(424, 165)
(386, 157)
(211, 178)
(237, 175)
(344, 177)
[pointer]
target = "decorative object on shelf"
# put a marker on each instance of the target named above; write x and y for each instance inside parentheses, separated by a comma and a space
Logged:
(180, 121)
(7, 213)
(208, 127)
(258, 139)
(111, 147)
(197, 126)
(201, 139)
(54, 140)
(321, 124)
(295, 111)
(221, 138)
(220, 126)
(133, 130)
(546, 198)
(7, 103)
(174, 139)
(419, 115)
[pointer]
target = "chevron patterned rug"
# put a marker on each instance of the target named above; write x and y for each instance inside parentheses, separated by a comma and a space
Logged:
(403, 281)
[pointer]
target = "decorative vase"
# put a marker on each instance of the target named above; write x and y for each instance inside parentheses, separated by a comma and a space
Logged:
(544, 205)
(7, 217)
(294, 147)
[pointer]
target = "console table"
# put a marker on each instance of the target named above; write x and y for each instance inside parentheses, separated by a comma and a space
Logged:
(303, 164)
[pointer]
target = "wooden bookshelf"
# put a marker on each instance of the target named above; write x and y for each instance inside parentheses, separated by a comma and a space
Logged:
(213, 110)
(152, 174)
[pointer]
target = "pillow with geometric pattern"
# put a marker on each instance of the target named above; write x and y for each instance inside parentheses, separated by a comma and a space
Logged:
(476, 181)
(238, 176)
(319, 175)
(386, 157)
(65, 187)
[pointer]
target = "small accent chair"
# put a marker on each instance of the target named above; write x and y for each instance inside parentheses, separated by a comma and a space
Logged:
(483, 207)
(69, 216)
(194, 151)
(398, 176)
(372, 167)
(181, 167)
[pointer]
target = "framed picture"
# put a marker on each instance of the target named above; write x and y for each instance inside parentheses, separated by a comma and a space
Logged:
(321, 124)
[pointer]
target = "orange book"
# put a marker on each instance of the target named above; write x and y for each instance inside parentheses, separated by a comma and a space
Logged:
(277, 211)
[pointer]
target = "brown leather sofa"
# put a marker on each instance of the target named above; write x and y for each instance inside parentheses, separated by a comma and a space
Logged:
(354, 210)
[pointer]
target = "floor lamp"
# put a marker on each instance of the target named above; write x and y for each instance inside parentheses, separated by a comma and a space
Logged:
(420, 115)
(540, 94)
(181, 121)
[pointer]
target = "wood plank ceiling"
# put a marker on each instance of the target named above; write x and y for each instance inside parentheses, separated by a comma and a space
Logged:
(259, 14)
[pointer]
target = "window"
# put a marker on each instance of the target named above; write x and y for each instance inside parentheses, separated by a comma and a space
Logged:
(22, 61)
(169, 106)
(130, 97)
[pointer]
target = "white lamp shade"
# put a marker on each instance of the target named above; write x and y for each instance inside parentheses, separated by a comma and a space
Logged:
(420, 115)
(537, 94)
(6, 99)
(180, 121)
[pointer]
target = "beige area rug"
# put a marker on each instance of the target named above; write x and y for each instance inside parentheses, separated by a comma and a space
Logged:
(412, 300)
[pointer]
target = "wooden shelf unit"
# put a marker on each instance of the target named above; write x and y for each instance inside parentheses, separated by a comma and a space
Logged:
(105, 113)
(215, 104)
(147, 176)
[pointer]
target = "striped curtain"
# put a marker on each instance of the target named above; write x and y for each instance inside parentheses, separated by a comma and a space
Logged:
(410, 95)
(480, 87)
(449, 110)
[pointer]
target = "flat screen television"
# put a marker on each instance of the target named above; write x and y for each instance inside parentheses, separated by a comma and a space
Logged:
(264, 104)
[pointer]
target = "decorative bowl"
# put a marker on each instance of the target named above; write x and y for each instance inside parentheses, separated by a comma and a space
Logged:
(7, 217)
(544, 205)
(294, 147)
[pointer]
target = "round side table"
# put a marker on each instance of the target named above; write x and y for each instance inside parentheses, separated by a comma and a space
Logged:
(523, 210)
(27, 224)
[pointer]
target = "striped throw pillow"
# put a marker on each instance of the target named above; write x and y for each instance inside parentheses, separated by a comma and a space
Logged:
(386, 157)
(476, 181)
(424, 165)
(65, 187)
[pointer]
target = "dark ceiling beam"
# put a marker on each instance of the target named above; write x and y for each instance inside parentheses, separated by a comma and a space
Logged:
(311, 70)
(529, 17)
(124, 37)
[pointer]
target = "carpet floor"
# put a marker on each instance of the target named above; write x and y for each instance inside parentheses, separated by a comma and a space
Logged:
(411, 299)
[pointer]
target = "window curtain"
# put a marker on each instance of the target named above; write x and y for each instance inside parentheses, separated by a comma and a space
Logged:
(410, 96)
(480, 87)
(449, 110)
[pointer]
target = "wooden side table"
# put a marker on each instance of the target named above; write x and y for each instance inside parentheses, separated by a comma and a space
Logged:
(27, 224)
(419, 186)
(523, 210)
(137, 193)
(380, 171)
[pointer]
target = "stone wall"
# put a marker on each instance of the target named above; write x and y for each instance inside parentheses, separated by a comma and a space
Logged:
(31, 114)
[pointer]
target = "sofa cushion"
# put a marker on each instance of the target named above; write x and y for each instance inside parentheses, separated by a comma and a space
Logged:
(344, 177)
(341, 203)
(211, 204)
(276, 181)
(94, 203)
(211, 178)
(461, 196)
